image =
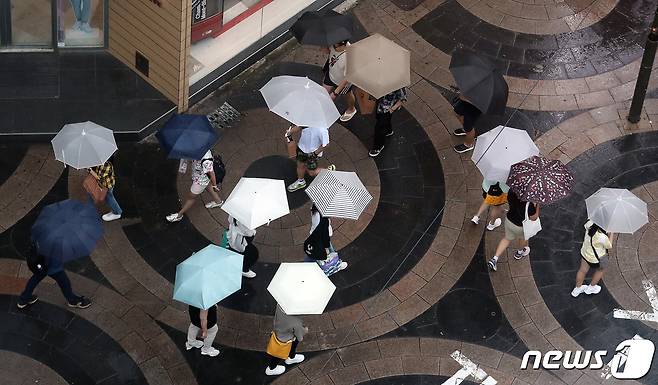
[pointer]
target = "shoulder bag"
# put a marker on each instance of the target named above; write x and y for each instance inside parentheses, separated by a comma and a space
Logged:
(97, 192)
(530, 227)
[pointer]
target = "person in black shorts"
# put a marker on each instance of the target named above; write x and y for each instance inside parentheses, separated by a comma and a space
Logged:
(467, 114)
(203, 324)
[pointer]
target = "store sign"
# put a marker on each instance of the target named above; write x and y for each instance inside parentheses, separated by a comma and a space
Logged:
(199, 10)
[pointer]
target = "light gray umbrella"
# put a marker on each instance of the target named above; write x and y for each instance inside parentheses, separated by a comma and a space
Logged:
(84, 145)
(617, 210)
(497, 150)
(339, 194)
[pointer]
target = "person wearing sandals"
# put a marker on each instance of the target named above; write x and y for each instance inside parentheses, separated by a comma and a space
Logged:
(594, 255)
(328, 259)
(203, 325)
(467, 114)
(334, 80)
(310, 148)
(386, 106)
(495, 195)
(203, 178)
(286, 328)
(518, 210)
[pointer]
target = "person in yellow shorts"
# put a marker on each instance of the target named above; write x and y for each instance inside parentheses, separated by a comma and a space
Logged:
(495, 195)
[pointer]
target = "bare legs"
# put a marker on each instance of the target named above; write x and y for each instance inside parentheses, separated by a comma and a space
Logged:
(495, 212)
(582, 272)
(191, 198)
(504, 243)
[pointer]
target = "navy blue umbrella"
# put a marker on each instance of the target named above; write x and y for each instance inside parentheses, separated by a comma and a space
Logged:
(67, 230)
(187, 136)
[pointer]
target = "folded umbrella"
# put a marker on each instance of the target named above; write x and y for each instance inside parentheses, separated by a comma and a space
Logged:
(208, 276)
(339, 194)
(187, 136)
(479, 81)
(301, 288)
(617, 210)
(67, 230)
(540, 180)
(257, 201)
(84, 145)
(497, 150)
(378, 66)
(323, 28)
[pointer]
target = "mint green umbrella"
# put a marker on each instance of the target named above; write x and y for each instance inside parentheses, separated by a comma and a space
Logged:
(208, 276)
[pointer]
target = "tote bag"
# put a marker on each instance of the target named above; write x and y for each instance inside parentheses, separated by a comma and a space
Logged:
(97, 193)
(530, 227)
(278, 349)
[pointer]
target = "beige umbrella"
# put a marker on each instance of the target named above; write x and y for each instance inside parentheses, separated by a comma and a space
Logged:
(378, 65)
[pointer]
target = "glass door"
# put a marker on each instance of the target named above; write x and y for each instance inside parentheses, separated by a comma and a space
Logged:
(26, 24)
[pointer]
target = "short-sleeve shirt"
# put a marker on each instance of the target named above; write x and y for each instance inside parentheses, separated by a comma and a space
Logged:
(200, 170)
(337, 65)
(196, 320)
(516, 213)
(313, 138)
(105, 174)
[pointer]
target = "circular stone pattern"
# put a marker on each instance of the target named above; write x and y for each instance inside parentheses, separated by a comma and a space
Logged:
(279, 167)
(479, 323)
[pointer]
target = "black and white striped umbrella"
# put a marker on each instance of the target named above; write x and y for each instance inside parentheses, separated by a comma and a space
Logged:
(339, 194)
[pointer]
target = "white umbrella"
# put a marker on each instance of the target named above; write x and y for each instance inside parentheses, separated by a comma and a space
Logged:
(84, 145)
(301, 288)
(617, 210)
(339, 194)
(257, 201)
(497, 150)
(300, 101)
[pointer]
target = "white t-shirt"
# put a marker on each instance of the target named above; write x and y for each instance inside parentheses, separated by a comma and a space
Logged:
(337, 65)
(201, 168)
(313, 138)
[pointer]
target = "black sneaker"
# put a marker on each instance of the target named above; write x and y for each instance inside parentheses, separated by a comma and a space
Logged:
(22, 305)
(82, 303)
(459, 132)
(374, 152)
(390, 133)
(462, 148)
(493, 264)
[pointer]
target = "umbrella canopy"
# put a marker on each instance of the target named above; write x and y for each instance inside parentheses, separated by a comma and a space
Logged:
(497, 150)
(301, 288)
(84, 145)
(378, 65)
(257, 201)
(208, 276)
(540, 180)
(187, 136)
(617, 210)
(339, 194)
(480, 81)
(322, 28)
(67, 230)
(300, 101)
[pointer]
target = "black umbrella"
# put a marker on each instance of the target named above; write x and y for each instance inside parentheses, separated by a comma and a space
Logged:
(479, 81)
(322, 28)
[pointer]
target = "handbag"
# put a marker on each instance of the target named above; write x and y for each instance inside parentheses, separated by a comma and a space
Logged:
(97, 192)
(530, 227)
(278, 349)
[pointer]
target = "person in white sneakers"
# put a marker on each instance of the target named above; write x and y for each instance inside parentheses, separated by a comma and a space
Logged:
(312, 143)
(203, 178)
(286, 328)
(106, 179)
(594, 253)
(495, 195)
(240, 240)
(334, 80)
(203, 325)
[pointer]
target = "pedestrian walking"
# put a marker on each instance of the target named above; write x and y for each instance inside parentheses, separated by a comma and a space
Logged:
(288, 332)
(240, 239)
(467, 114)
(202, 330)
(106, 179)
(495, 196)
(517, 214)
(53, 268)
(318, 247)
(203, 178)
(312, 143)
(334, 80)
(386, 106)
(594, 255)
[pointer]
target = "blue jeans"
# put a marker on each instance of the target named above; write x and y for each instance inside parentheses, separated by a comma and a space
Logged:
(82, 10)
(111, 201)
(62, 280)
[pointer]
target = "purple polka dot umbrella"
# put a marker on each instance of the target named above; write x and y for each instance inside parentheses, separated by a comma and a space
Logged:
(540, 180)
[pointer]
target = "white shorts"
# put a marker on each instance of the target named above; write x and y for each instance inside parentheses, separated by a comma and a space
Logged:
(197, 189)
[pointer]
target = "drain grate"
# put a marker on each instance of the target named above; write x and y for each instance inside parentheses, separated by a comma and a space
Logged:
(224, 116)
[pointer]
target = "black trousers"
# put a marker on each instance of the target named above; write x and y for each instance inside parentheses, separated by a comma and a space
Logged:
(274, 361)
(382, 128)
(250, 257)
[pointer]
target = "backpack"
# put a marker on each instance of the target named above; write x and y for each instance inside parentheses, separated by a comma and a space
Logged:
(36, 262)
(218, 167)
(495, 190)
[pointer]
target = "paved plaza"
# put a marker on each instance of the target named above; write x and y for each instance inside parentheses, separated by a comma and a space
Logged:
(417, 288)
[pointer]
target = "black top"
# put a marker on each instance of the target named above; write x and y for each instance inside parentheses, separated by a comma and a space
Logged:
(196, 321)
(516, 213)
(469, 112)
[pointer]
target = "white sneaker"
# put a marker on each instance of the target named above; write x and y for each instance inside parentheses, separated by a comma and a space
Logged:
(196, 344)
(296, 185)
(174, 217)
(524, 252)
(496, 223)
(475, 219)
(111, 216)
(213, 204)
(347, 116)
(295, 360)
(276, 371)
(331, 167)
(589, 289)
(249, 274)
(209, 351)
(577, 290)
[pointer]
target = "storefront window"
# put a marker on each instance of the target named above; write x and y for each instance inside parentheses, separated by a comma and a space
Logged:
(234, 8)
(80, 23)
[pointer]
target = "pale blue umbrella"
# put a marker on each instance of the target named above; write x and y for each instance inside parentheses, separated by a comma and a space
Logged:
(208, 276)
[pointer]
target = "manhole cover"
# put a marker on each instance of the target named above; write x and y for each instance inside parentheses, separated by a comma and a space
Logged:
(469, 315)
(224, 116)
(279, 167)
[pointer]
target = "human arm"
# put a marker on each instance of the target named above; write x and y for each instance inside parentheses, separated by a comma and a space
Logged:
(534, 216)
(203, 317)
(339, 88)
